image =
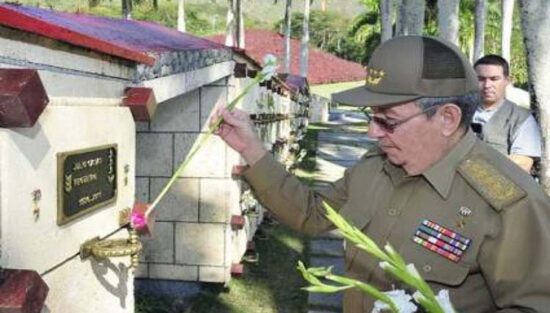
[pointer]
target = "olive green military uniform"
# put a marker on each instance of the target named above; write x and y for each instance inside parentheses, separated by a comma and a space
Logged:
(473, 191)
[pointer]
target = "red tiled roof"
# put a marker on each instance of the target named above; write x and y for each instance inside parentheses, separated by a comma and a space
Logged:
(323, 68)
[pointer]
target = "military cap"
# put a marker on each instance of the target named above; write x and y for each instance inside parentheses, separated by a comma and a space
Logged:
(407, 68)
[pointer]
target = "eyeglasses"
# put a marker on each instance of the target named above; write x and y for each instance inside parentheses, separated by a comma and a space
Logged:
(388, 126)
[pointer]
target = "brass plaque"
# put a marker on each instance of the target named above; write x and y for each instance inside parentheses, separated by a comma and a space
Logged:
(86, 181)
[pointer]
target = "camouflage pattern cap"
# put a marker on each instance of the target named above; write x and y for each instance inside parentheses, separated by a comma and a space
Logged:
(407, 68)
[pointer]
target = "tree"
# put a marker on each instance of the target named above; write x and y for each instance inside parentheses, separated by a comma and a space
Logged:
(479, 40)
(411, 17)
(287, 30)
(386, 12)
(230, 24)
(127, 9)
(536, 31)
(506, 34)
(181, 15)
(330, 31)
(448, 21)
(240, 24)
(304, 49)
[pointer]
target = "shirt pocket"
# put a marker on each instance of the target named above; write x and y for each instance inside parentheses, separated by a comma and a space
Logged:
(433, 267)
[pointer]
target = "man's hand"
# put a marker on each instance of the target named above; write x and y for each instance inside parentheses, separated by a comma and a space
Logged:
(525, 162)
(238, 132)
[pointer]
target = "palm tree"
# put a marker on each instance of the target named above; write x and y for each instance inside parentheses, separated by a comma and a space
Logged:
(240, 24)
(288, 26)
(536, 31)
(304, 50)
(127, 9)
(506, 34)
(181, 16)
(447, 16)
(479, 40)
(230, 24)
(386, 12)
(411, 17)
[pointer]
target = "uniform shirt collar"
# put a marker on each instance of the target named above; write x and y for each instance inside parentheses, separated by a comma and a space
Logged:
(441, 174)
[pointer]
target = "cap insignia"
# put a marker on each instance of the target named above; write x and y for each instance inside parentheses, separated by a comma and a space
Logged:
(374, 76)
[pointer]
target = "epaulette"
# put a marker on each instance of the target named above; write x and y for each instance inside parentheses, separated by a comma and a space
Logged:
(490, 183)
(372, 152)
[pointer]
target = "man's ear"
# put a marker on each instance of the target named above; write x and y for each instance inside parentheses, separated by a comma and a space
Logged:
(450, 118)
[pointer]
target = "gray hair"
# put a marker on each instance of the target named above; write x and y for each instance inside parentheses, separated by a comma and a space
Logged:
(467, 104)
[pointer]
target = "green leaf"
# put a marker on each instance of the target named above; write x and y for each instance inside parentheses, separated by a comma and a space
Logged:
(326, 288)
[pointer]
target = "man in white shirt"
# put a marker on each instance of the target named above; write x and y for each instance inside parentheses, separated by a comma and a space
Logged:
(505, 126)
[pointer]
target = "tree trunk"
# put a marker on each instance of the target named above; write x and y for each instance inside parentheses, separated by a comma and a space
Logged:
(447, 16)
(536, 31)
(479, 39)
(411, 17)
(304, 49)
(324, 5)
(288, 24)
(181, 15)
(230, 24)
(240, 24)
(397, 5)
(506, 35)
(127, 9)
(386, 20)
(156, 5)
(93, 3)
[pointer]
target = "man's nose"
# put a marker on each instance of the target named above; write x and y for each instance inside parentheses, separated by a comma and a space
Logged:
(486, 84)
(375, 131)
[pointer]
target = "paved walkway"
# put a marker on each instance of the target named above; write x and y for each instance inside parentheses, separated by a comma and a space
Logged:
(336, 150)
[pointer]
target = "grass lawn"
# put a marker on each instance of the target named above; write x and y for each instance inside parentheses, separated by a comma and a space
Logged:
(270, 286)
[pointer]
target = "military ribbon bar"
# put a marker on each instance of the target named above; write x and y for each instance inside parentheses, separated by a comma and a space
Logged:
(436, 249)
(447, 232)
(441, 240)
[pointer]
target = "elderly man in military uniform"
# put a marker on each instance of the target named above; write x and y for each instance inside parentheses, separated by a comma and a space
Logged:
(469, 219)
(507, 127)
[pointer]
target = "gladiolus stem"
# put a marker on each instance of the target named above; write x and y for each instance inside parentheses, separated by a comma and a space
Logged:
(230, 106)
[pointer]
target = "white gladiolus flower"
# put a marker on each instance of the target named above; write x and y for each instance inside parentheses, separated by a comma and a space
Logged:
(445, 301)
(442, 298)
(401, 299)
(412, 270)
(269, 67)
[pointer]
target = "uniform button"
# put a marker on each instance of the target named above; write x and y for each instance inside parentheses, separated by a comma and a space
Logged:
(392, 212)
(427, 268)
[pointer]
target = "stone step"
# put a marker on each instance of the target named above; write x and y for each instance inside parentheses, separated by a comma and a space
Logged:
(345, 138)
(324, 311)
(340, 152)
(326, 247)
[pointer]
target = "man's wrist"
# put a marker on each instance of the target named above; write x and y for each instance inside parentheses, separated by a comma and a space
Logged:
(253, 154)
